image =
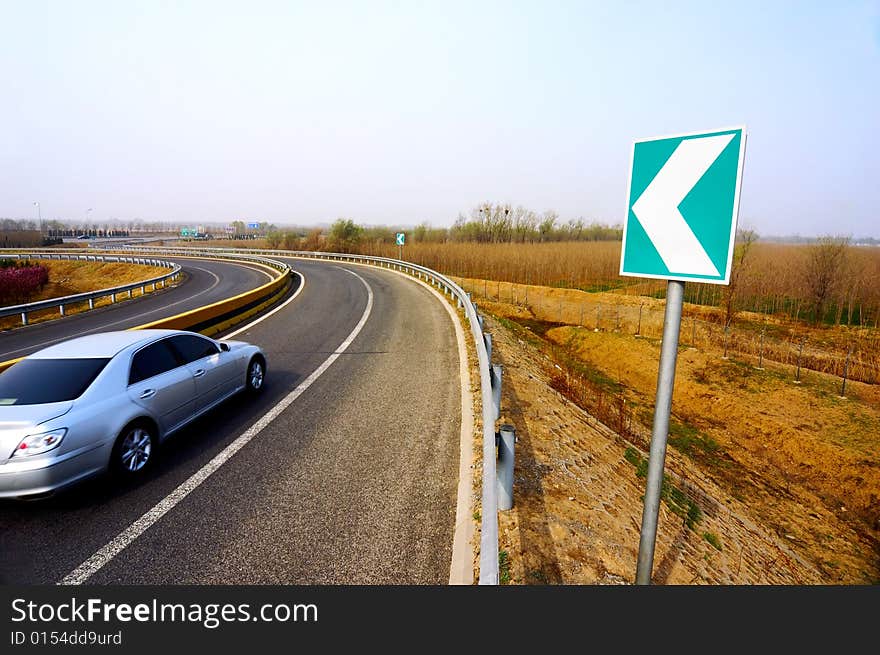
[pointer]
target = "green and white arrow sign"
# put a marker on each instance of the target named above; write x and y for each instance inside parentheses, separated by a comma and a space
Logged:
(682, 206)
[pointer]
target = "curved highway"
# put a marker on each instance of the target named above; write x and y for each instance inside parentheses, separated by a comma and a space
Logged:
(344, 471)
(206, 282)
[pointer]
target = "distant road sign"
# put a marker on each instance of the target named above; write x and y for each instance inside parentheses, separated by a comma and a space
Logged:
(229, 228)
(401, 237)
(682, 205)
(253, 226)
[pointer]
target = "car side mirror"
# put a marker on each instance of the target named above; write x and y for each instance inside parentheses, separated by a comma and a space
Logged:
(224, 346)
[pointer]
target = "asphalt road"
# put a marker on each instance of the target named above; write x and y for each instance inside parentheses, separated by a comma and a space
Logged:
(206, 282)
(353, 483)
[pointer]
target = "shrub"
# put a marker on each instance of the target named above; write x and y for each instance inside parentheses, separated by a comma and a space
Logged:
(19, 283)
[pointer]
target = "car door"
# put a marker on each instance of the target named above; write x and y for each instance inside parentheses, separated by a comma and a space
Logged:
(209, 365)
(162, 385)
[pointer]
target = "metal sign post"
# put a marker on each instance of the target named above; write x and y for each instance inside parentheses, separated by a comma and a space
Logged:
(662, 410)
(682, 205)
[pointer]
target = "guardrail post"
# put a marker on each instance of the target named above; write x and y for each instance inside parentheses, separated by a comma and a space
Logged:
(91, 303)
(24, 318)
(61, 309)
(496, 388)
(143, 289)
(487, 339)
(506, 442)
(480, 320)
(112, 297)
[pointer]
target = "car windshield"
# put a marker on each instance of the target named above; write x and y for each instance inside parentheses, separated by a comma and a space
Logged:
(38, 381)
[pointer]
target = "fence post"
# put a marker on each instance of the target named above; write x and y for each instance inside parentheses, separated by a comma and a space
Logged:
(598, 310)
(639, 328)
(845, 371)
(761, 353)
(726, 332)
(797, 378)
(504, 475)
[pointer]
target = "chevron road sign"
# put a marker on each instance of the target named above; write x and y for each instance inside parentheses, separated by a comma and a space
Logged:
(400, 238)
(681, 208)
(682, 205)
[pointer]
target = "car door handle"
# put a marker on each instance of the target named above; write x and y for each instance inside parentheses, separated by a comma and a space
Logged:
(147, 393)
(199, 373)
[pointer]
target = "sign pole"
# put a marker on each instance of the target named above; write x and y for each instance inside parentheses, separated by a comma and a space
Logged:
(662, 408)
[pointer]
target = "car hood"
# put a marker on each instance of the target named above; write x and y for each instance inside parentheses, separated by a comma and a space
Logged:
(18, 421)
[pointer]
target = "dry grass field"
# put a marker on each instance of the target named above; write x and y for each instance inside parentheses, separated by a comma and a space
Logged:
(775, 278)
(67, 278)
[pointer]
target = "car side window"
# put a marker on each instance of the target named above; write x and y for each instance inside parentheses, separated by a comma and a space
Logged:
(192, 348)
(154, 359)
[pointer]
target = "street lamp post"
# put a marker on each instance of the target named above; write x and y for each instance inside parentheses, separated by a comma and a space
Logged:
(39, 217)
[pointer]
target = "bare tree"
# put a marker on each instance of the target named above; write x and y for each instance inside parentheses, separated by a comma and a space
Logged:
(824, 271)
(744, 241)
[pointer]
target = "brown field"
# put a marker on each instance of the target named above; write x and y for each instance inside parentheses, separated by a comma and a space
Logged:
(67, 278)
(798, 463)
(774, 277)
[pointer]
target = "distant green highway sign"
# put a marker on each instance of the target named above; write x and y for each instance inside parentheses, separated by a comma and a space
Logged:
(682, 206)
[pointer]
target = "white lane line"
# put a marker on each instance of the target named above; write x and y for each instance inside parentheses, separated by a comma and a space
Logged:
(302, 286)
(94, 563)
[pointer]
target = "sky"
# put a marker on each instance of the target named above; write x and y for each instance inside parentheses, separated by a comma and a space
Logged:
(401, 112)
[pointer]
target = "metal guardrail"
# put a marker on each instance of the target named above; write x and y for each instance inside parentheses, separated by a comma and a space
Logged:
(91, 296)
(490, 380)
(241, 255)
(212, 318)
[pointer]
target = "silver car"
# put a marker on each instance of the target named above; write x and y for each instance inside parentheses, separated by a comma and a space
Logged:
(106, 401)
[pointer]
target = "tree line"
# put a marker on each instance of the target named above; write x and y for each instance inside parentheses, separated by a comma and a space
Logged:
(485, 223)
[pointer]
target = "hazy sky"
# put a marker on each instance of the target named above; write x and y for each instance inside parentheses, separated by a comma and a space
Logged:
(398, 112)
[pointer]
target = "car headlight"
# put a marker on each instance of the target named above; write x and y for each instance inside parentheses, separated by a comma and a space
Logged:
(37, 444)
